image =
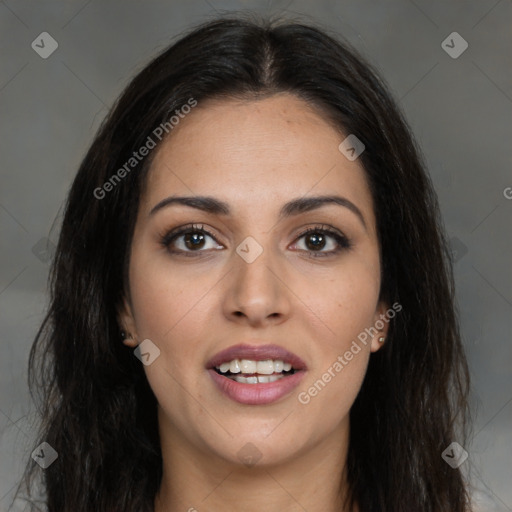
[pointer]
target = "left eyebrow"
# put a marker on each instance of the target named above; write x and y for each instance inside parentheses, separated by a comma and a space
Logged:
(294, 207)
(307, 204)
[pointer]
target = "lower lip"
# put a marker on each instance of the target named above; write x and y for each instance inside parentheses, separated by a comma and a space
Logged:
(256, 394)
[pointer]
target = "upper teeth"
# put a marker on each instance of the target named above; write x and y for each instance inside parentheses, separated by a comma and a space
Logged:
(267, 367)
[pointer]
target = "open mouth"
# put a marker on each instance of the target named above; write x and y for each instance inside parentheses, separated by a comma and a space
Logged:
(256, 374)
(247, 371)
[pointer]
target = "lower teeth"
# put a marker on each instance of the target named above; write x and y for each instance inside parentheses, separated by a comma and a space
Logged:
(255, 379)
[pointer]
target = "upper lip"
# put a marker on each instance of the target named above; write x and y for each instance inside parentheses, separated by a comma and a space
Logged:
(256, 353)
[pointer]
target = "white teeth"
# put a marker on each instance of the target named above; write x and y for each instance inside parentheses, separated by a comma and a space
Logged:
(278, 365)
(224, 367)
(267, 367)
(257, 380)
(234, 366)
(247, 366)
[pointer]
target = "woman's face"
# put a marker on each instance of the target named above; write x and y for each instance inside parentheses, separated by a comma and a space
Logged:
(244, 275)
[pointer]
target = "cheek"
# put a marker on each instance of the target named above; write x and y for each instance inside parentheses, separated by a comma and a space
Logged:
(170, 308)
(162, 298)
(345, 300)
(330, 394)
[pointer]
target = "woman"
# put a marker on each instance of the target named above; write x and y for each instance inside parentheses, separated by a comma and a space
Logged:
(252, 299)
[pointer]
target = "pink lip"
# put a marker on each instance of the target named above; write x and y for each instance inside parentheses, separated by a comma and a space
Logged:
(256, 353)
(256, 394)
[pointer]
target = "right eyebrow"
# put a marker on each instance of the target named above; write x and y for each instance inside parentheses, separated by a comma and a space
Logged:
(205, 203)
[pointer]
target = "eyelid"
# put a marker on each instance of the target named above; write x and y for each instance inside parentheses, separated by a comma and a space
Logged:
(342, 241)
(170, 236)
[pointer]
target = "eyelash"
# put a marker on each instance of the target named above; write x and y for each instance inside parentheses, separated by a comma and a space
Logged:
(343, 242)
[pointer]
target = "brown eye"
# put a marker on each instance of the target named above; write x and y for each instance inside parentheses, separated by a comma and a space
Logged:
(189, 239)
(315, 241)
(322, 241)
(195, 240)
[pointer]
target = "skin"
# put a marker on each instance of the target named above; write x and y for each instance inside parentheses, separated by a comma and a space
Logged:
(255, 156)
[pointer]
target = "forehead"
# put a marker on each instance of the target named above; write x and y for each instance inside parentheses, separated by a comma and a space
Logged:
(254, 153)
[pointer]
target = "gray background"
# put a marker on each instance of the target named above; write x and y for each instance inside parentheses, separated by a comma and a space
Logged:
(460, 110)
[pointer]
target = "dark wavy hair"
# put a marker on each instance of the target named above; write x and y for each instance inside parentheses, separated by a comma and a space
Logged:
(97, 408)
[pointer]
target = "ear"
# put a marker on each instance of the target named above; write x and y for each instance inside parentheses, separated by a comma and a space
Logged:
(126, 323)
(380, 325)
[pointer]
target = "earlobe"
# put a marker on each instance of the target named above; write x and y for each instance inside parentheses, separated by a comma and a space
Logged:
(126, 323)
(128, 339)
(380, 326)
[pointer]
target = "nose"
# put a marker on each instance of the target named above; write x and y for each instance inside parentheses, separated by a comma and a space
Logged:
(256, 292)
